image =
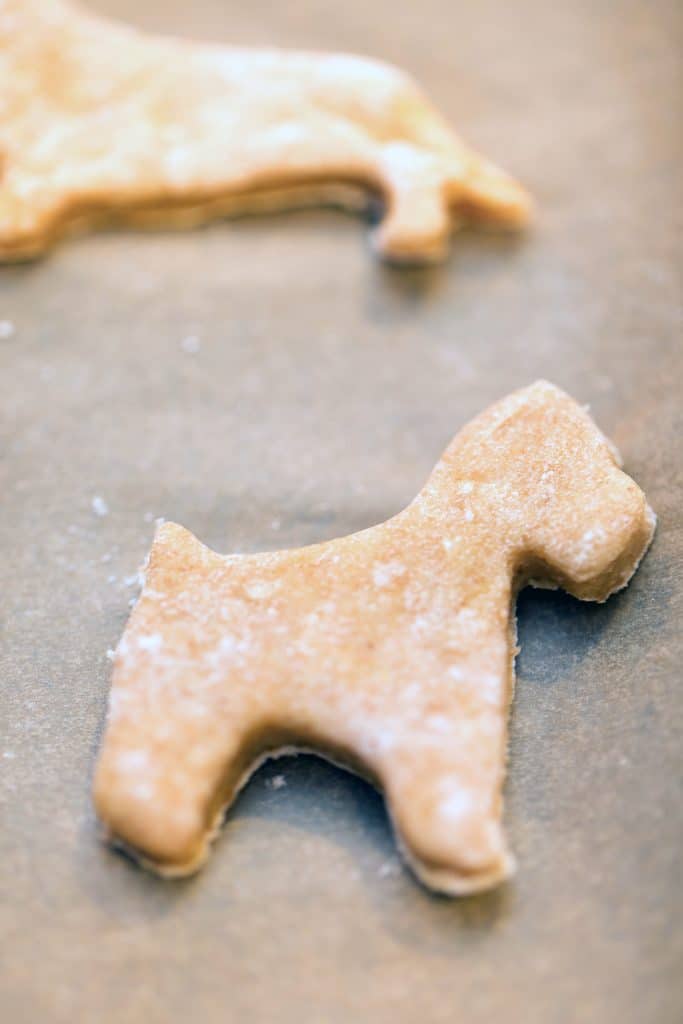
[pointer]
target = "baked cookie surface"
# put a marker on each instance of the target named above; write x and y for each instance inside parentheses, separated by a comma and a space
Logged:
(390, 651)
(100, 121)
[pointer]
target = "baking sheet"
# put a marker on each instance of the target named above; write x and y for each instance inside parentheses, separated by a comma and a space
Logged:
(323, 391)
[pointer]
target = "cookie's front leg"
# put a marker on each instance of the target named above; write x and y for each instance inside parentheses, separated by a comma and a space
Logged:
(444, 799)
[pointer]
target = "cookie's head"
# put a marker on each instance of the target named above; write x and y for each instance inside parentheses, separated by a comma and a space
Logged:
(583, 523)
(547, 489)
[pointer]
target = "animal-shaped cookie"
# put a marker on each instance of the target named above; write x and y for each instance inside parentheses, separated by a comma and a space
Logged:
(99, 120)
(389, 651)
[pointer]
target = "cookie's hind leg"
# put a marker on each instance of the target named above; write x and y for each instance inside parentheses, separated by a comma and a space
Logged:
(27, 214)
(172, 755)
(180, 719)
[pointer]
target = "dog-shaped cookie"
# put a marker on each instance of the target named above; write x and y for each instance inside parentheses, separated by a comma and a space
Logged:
(389, 651)
(97, 119)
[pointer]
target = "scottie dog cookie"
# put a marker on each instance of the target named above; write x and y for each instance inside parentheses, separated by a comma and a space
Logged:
(390, 651)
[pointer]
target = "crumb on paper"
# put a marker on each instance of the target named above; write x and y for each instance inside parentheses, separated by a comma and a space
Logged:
(6, 329)
(110, 654)
(389, 868)
(99, 506)
(191, 344)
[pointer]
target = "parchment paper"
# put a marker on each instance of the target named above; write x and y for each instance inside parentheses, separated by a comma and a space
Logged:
(322, 393)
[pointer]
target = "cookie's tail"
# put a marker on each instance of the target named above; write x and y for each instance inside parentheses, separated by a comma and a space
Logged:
(487, 193)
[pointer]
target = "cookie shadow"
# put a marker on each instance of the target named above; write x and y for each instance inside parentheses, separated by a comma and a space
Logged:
(398, 293)
(557, 632)
(307, 793)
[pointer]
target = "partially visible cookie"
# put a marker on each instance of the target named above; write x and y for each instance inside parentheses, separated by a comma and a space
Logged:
(390, 651)
(99, 120)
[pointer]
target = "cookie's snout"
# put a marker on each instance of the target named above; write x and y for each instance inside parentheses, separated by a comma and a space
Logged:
(607, 547)
(591, 540)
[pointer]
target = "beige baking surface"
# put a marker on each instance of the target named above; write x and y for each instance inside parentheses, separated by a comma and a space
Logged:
(323, 391)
